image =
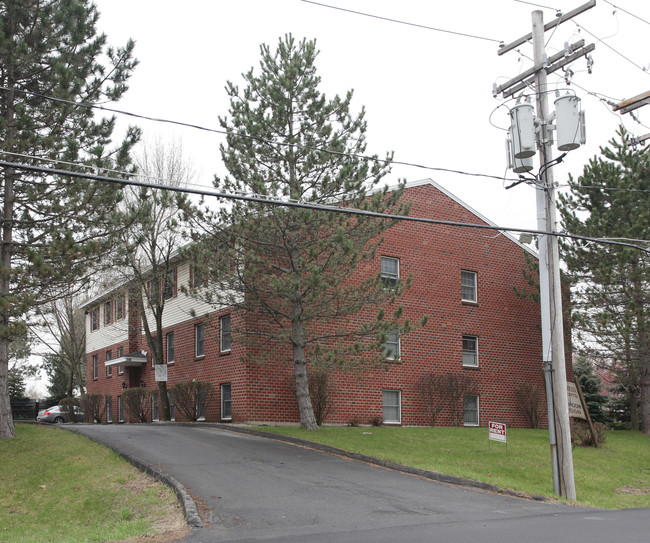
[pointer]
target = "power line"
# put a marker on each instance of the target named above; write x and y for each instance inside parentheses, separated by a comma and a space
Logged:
(256, 138)
(311, 206)
(610, 47)
(628, 12)
(463, 34)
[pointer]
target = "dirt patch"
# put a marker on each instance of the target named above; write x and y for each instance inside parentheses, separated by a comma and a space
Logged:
(169, 525)
(635, 490)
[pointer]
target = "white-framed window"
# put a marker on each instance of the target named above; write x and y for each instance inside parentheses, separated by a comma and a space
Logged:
(226, 334)
(390, 270)
(468, 286)
(95, 366)
(392, 404)
(392, 347)
(169, 288)
(120, 306)
(200, 405)
(155, 408)
(108, 312)
(199, 340)
(155, 347)
(470, 351)
(470, 409)
(170, 348)
(109, 369)
(198, 278)
(120, 409)
(170, 399)
(226, 401)
(94, 319)
(120, 354)
(109, 409)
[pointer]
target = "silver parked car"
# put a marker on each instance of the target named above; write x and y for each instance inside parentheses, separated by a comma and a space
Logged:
(58, 414)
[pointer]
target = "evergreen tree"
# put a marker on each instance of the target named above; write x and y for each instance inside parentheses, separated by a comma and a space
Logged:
(51, 59)
(612, 283)
(287, 268)
(591, 385)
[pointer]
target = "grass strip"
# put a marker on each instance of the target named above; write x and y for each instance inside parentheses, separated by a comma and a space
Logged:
(615, 476)
(58, 486)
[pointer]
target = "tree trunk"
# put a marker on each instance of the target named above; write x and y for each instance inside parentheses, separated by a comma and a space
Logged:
(307, 418)
(7, 429)
(645, 398)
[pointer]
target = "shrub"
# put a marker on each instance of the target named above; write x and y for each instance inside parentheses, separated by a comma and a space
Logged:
(94, 406)
(137, 403)
(320, 392)
(528, 397)
(433, 404)
(190, 398)
(68, 405)
(354, 423)
(581, 435)
(376, 420)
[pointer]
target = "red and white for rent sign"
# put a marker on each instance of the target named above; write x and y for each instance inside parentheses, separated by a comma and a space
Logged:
(498, 431)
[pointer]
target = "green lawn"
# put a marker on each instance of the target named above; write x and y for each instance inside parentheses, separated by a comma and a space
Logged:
(615, 476)
(57, 486)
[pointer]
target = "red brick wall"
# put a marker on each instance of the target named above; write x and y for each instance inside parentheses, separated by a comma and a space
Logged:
(507, 327)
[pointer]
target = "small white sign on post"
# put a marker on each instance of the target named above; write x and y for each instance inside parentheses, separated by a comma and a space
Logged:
(497, 431)
(575, 405)
(161, 372)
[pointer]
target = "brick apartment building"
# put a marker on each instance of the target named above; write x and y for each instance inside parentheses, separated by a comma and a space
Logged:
(464, 279)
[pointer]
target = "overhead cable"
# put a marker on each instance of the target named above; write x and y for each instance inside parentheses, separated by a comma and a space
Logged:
(312, 206)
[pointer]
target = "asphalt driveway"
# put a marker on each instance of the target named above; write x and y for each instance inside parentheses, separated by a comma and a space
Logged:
(257, 489)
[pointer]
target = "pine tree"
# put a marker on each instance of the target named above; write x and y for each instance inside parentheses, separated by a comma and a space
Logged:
(592, 386)
(53, 229)
(287, 268)
(611, 199)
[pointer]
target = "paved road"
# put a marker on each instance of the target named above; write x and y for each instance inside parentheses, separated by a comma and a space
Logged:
(257, 489)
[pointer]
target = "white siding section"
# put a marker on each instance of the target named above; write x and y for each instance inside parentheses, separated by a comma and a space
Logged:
(181, 307)
(116, 332)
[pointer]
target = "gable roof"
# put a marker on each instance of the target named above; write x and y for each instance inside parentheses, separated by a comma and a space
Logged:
(431, 182)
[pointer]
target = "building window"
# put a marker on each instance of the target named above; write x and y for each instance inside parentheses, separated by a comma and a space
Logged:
(95, 366)
(170, 348)
(470, 351)
(198, 278)
(169, 289)
(392, 346)
(392, 406)
(120, 304)
(109, 409)
(199, 334)
(120, 354)
(200, 404)
(468, 286)
(155, 408)
(389, 270)
(226, 334)
(155, 351)
(108, 312)
(470, 409)
(120, 409)
(109, 369)
(226, 402)
(94, 319)
(170, 399)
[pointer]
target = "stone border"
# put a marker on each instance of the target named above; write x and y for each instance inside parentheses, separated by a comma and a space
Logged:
(184, 497)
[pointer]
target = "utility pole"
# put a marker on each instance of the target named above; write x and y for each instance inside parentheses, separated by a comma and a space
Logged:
(547, 190)
(549, 261)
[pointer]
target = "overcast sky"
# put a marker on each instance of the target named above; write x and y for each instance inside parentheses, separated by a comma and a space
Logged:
(428, 94)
